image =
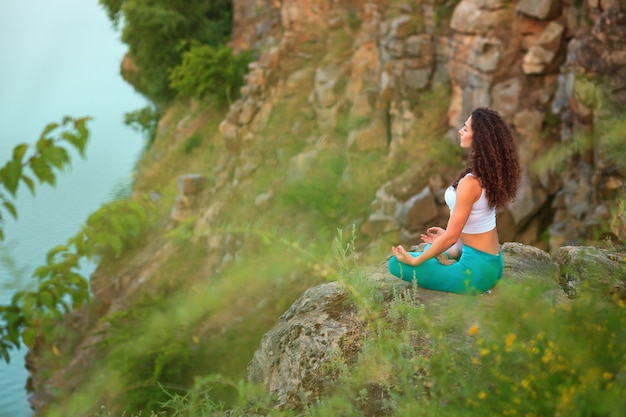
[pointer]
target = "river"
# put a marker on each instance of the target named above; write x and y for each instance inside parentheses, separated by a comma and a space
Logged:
(58, 58)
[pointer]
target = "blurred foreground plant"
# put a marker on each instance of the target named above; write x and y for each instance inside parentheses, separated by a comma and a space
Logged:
(31, 315)
(47, 156)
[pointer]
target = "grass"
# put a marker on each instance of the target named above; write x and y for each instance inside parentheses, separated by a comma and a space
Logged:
(513, 353)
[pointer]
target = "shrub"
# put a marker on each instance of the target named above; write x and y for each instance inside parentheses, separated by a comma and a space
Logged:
(144, 120)
(210, 70)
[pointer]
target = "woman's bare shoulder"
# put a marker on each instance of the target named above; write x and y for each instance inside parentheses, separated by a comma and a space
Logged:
(470, 185)
(470, 181)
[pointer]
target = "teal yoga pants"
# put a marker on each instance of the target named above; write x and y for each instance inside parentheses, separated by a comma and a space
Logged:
(474, 273)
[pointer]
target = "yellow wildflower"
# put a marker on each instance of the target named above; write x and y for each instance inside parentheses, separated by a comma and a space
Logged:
(525, 384)
(508, 341)
(547, 356)
(473, 330)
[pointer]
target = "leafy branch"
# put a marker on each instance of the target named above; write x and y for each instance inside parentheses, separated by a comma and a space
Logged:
(47, 156)
(31, 315)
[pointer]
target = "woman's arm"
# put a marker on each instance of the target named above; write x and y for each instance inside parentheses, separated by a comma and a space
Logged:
(467, 192)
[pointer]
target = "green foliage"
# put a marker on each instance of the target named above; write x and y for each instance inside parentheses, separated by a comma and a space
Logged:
(610, 137)
(31, 315)
(345, 254)
(154, 29)
(15, 272)
(192, 143)
(618, 216)
(46, 157)
(210, 70)
(183, 231)
(122, 189)
(103, 412)
(200, 401)
(559, 157)
(197, 401)
(443, 12)
(605, 140)
(144, 120)
(320, 190)
(353, 19)
(428, 149)
(114, 228)
(544, 360)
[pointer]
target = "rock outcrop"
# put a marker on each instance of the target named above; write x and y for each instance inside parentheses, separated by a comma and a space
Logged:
(533, 60)
(292, 359)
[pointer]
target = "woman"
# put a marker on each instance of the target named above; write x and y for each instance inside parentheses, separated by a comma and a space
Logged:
(488, 182)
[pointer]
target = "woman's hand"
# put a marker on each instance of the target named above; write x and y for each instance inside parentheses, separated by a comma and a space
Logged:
(432, 234)
(403, 256)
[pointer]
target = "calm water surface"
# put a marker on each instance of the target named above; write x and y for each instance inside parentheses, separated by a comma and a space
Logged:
(58, 58)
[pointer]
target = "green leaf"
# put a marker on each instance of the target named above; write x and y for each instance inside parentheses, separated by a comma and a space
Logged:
(47, 299)
(29, 183)
(29, 304)
(43, 144)
(42, 272)
(42, 171)
(53, 252)
(10, 208)
(116, 244)
(49, 128)
(10, 175)
(19, 151)
(5, 353)
(56, 156)
(16, 297)
(81, 127)
(28, 337)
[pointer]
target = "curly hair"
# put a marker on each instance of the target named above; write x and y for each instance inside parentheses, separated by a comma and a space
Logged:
(493, 157)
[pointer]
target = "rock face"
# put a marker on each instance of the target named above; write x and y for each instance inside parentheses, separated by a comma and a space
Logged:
(530, 62)
(293, 358)
(312, 331)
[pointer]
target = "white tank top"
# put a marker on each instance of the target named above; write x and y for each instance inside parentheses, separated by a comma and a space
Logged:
(482, 218)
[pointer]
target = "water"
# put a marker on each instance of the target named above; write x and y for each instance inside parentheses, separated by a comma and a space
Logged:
(58, 58)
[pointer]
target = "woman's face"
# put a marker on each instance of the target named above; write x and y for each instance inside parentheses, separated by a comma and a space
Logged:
(465, 134)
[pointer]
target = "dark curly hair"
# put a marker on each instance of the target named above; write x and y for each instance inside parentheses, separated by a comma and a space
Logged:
(493, 157)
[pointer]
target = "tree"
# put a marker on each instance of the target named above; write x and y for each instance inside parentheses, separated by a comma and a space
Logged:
(155, 29)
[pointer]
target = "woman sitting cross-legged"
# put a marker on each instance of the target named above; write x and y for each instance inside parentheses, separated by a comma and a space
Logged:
(489, 181)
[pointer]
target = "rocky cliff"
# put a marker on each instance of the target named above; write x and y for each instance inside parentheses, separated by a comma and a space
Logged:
(374, 71)
(536, 61)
